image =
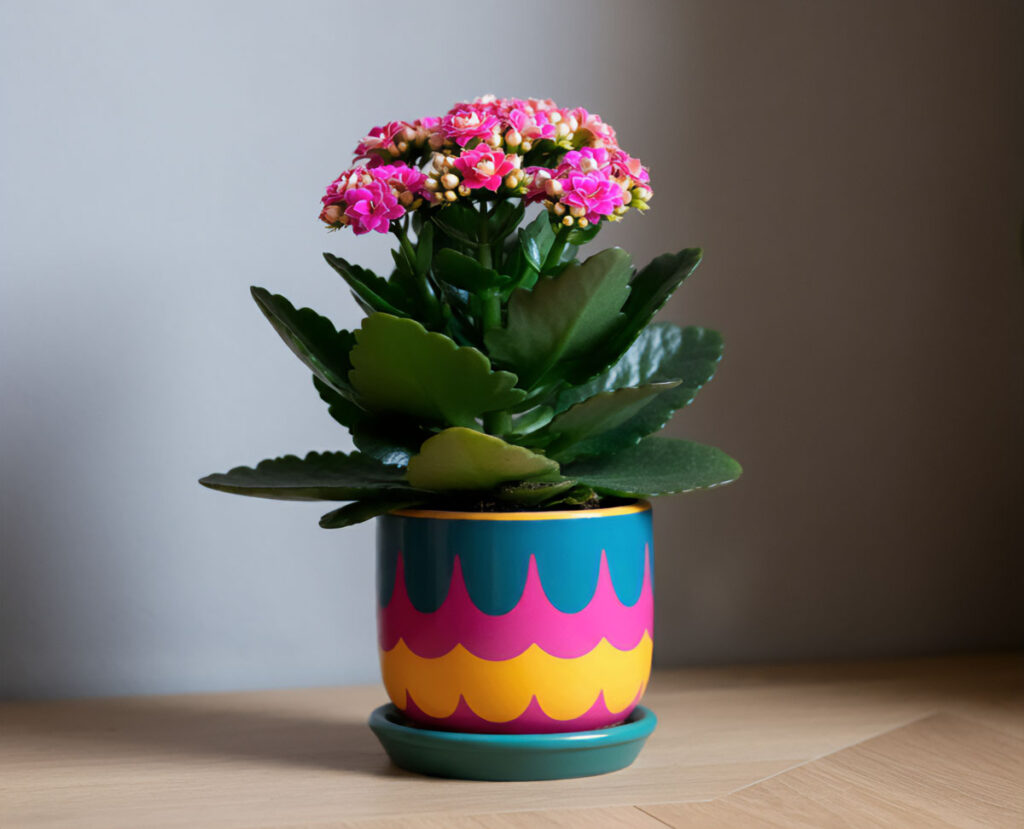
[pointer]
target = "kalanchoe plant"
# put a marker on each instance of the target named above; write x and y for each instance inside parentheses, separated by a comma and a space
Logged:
(495, 369)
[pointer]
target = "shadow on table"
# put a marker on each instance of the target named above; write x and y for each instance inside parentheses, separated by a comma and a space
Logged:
(155, 727)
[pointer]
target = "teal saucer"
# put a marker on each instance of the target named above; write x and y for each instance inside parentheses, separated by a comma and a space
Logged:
(511, 756)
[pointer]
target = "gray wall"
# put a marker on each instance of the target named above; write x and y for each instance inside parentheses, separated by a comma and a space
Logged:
(854, 172)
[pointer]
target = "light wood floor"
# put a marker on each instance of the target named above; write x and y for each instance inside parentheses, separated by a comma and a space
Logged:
(924, 743)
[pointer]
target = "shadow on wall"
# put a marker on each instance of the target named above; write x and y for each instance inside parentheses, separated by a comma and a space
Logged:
(67, 605)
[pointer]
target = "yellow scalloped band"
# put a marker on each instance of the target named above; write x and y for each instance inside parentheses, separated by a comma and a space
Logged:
(500, 690)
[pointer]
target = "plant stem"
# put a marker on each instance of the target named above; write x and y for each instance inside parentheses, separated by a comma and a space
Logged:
(483, 248)
(421, 279)
(557, 248)
(497, 423)
(406, 245)
(492, 310)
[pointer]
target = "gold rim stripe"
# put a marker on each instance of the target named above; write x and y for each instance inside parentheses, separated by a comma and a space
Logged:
(550, 515)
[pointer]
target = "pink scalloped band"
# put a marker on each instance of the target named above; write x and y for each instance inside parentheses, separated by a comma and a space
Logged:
(532, 721)
(534, 620)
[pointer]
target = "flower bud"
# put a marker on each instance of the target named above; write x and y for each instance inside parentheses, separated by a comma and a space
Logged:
(431, 184)
(553, 187)
(526, 146)
(577, 212)
(463, 190)
(582, 221)
(513, 138)
(331, 214)
(449, 195)
(559, 209)
(512, 181)
(450, 181)
(567, 221)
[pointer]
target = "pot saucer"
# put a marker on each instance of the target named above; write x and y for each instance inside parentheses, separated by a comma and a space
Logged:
(511, 756)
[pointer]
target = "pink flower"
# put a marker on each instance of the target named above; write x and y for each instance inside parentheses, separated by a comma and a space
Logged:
(601, 134)
(484, 167)
(536, 178)
(400, 177)
(627, 170)
(468, 121)
(372, 207)
(335, 193)
(595, 194)
(375, 146)
(586, 160)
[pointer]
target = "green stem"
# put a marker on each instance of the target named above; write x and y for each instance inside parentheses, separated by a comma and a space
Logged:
(483, 248)
(406, 245)
(421, 279)
(557, 248)
(492, 310)
(497, 423)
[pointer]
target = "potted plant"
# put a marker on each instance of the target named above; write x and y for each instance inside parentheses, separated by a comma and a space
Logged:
(503, 393)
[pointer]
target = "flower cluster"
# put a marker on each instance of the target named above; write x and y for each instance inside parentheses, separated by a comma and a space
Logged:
(532, 149)
(590, 184)
(370, 198)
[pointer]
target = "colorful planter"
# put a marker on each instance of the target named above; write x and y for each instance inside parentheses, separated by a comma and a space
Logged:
(516, 623)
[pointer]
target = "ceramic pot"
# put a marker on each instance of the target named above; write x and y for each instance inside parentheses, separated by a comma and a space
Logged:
(526, 623)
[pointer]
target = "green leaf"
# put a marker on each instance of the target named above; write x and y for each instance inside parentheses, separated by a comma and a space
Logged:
(390, 440)
(574, 497)
(579, 237)
(536, 240)
(532, 420)
(311, 337)
(463, 459)
(663, 352)
(343, 410)
(656, 466)
(359, 511)
(424, 249)
(400, 367)
(598, 414)
(327, 476)
(649, 291)
(460, 221)
(531, 493)
(563, 319)
(504, 218)
(465, 272)
(373, 291)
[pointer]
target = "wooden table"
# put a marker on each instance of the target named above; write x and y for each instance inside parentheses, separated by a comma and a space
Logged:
(922, 743)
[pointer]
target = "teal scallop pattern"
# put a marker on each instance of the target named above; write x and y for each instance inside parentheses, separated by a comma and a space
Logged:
(495, 558)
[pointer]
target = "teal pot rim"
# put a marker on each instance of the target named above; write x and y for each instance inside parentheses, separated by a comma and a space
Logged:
(633, 507)
(473, 756)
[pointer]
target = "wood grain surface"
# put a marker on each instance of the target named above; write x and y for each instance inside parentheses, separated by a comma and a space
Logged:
(936, 742)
